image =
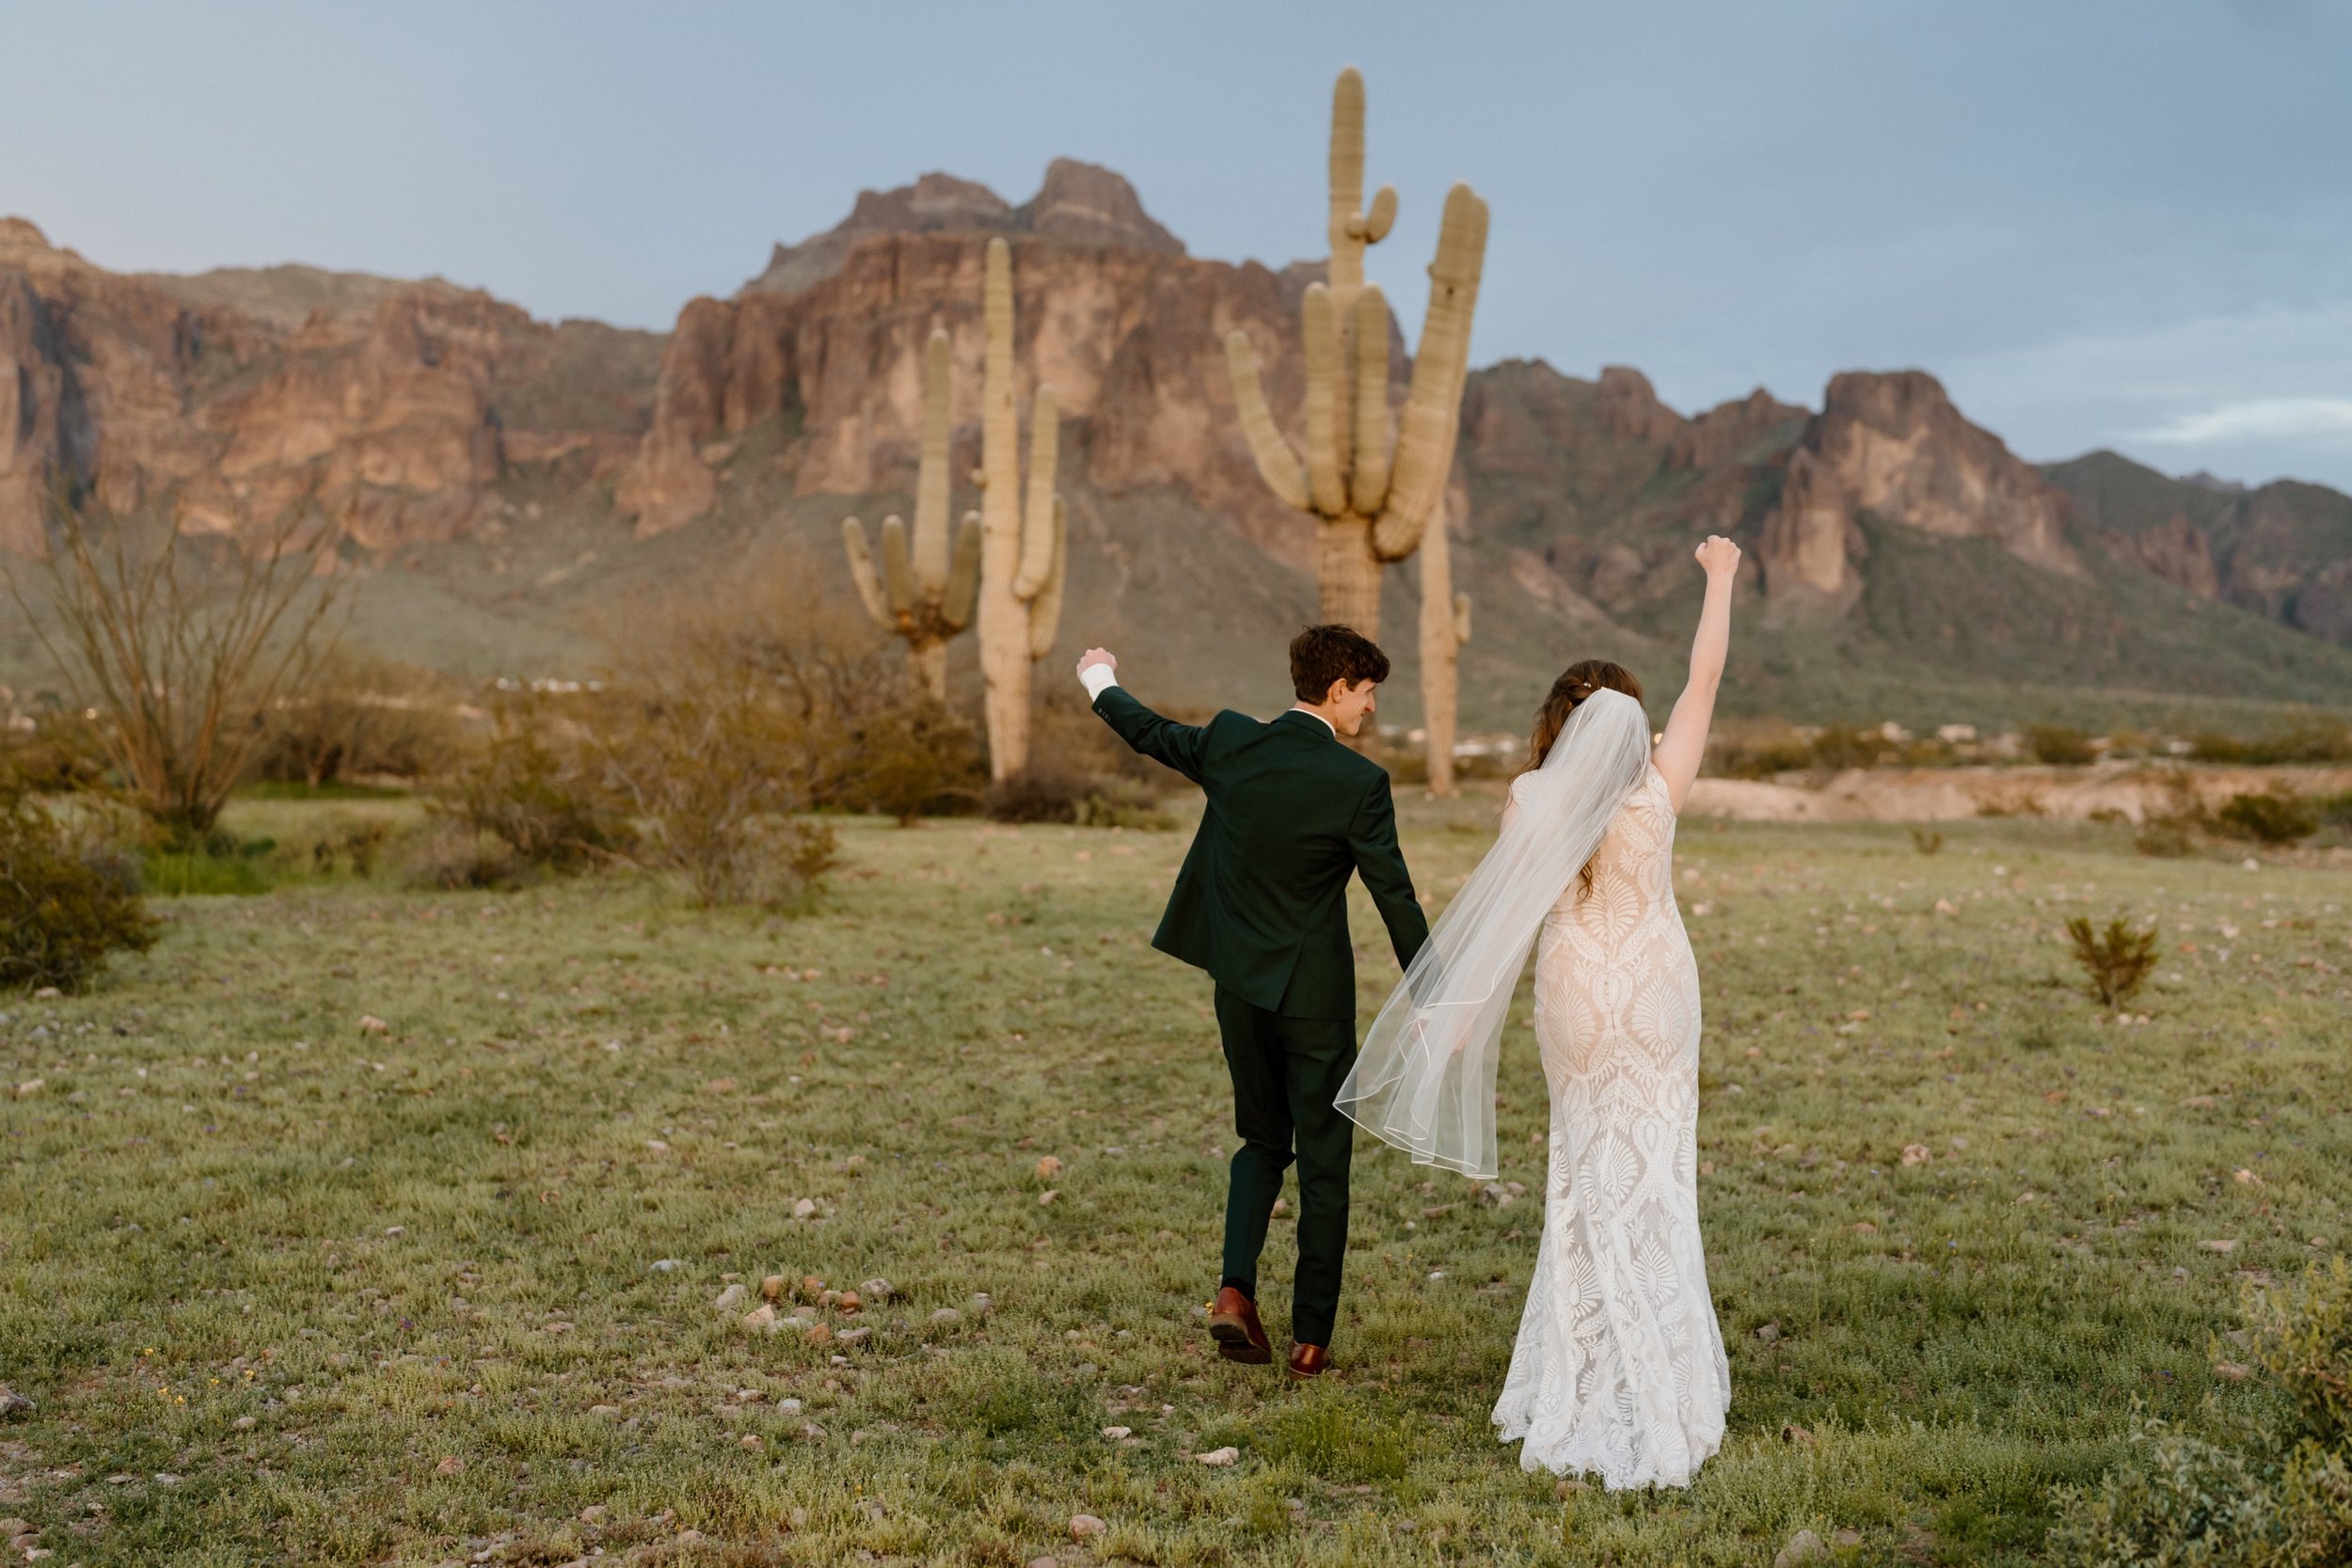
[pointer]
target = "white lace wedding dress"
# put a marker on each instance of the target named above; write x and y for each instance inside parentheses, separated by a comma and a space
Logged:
(1619, 1368)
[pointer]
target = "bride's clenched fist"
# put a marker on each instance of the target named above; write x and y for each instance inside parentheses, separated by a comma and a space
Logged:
(1719, 556)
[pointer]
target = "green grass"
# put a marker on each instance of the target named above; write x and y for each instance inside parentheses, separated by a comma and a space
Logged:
(296, 1266)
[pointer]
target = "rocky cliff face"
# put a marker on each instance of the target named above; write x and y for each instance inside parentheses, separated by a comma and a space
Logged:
(391, 408)
(1893, 444)
(1125, 328)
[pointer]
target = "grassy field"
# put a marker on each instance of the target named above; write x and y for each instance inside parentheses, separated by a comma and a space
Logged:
(287, 1286)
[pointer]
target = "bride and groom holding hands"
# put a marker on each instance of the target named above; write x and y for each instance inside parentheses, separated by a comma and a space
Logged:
(1619, 1367)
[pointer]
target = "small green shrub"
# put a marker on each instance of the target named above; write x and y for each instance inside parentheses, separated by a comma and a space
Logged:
(1927, 841)
(1123, 804)
(2164, 837)
(2058, 745)
(912, 761)
(67, 900)
(359, 844)
(2267, 817)
(2334, 810)
(450, 856)
(2275, 1491)
(539, 803)
(1037, 796)
(2117, 961)
(2327, 740)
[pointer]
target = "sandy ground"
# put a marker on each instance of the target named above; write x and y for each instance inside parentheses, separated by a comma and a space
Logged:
(2133, 790)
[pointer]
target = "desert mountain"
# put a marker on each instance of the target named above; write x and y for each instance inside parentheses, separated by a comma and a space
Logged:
(509, 484)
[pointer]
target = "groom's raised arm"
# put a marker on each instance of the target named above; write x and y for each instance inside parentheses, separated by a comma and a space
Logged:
(1163, 740)
(1372, 838)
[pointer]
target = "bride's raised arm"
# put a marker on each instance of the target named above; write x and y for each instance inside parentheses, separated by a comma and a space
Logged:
(1685, 744)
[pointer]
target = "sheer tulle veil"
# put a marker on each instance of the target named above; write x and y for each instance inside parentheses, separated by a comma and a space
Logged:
(1425, 1079)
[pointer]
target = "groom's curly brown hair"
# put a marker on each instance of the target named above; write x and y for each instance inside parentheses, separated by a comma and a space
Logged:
(1321, 655)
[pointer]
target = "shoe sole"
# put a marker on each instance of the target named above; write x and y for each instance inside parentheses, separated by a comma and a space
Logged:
(1233, 1342)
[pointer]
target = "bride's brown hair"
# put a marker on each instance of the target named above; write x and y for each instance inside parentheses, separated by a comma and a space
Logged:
(1576, 683)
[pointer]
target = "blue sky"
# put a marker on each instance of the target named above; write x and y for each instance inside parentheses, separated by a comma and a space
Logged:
(2101, 223)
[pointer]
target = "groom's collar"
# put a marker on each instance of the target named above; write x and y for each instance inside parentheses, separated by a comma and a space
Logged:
(1329, 728)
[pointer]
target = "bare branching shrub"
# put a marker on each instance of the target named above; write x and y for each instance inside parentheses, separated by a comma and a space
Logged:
(68, 895)
(2117, 961)
(182, 646)
(357, 717)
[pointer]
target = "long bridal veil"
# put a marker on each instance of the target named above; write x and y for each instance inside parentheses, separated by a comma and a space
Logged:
(1425, 1079)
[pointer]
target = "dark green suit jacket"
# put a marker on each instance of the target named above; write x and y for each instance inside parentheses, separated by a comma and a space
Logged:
(1262, 900)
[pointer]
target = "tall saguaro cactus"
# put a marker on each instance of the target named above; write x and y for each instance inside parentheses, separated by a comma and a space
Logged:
(1445, 626)
(1372, 495)
(1024, 550)
(924, 593)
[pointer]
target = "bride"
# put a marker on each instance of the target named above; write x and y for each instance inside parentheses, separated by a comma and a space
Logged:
(1619, 1368)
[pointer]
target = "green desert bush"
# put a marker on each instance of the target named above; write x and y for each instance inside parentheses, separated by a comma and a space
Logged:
(2275, 1491)
(68, 896)
(2058, 745)
(2320, 740)
(359, 717)
(1039, 795)
(451, 855)
(536, 796)
(2116, 962)
(2267, 817)
(910, 761)
(1123, 804)
(2164, 837)
(1927, 841)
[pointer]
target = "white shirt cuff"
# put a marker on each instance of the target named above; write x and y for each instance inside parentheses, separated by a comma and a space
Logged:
(1097, 678)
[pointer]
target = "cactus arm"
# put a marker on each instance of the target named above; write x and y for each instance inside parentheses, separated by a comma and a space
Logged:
(1373, 225)
(1461, 618)
(956, 601)
(1346, 227)
(869, 587)
(1368, 485)
(1036, 527)
(1425, 445)
(1045, 609)
(898, 572)
(1278, 464)
(1320, 339)
(930, 475)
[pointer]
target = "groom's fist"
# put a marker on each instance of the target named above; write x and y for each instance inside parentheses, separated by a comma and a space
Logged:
(1093, 656)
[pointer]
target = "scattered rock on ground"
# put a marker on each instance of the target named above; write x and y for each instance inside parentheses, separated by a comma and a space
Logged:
(730, 1298)
(946, 1316)
(1116, 1433)
(1083, 1526)
(1768, 1333)
(1219, 1457)
(452, 1466)
(1048, 1168)
(1803, 1546)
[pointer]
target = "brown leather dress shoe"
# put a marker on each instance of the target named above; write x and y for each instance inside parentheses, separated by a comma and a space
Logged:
(1233, 1324)
(1309, 1361)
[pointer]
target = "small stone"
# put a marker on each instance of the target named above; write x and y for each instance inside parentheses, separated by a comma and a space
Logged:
(1769, 1333)
(812, 1432)
(788, 1407)
(655, 1146)
(1914, 1154)
(1792, 1432)
(1047, 1196)
(762, 1317)
(946, 1316)
(1117, 1433)
(1847, 1538)
(1043, 1562)
(820, 1334)
(690, 1538)
(2246, 1179)
(2232, 1372)
(13, 1403)
(854, 1335)
(983, 1302)
(877, 1290)
(14, 1527)
(751, 1440)
(244, 1423)
(1944, 906)
(666, 1265)
(1282, 1207)
(729, 1299)
(2226, 1245)
(1803, 1546)
(1568, 1487)
(1219, 1457)
(30, 1085)
(1864, 1228)
(1085, 1526)
(47, 993)
(849, 1301)
(1048, 1168)
(772, 1288)
(371, 1024)
(609, 1411)
(452, 1466)
(593, 1515)
(804, 1209)
(395, 1230)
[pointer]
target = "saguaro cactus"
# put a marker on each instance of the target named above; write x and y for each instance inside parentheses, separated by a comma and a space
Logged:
(1445, 626)
(1373, 496)
(1024, 551)
(922, 592)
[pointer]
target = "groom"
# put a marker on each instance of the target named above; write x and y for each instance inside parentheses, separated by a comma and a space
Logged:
(1261, 905)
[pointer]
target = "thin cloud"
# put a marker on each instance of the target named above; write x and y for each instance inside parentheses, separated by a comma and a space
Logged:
(2259, 419)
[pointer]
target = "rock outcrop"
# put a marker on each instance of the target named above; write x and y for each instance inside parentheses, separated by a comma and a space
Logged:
(1126, 328)
(392, 409)
(1893, 445)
